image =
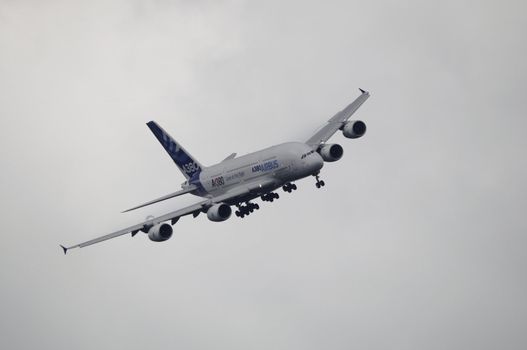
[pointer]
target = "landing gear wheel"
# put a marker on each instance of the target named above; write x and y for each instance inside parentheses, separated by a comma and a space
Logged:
(319, 183)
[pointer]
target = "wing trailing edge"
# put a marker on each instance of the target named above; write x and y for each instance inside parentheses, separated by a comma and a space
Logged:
(168, 196)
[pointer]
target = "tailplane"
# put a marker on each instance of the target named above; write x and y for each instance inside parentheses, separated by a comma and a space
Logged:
(188, 165)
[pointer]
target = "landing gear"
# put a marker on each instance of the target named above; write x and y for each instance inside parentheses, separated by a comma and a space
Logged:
(245, 210)
(289, 187)
(319, 183)
(269, 197)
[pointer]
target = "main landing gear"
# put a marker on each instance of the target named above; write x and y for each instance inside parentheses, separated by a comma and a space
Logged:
(289, 187)
(245, 210)
(269, 197)
(319, 183)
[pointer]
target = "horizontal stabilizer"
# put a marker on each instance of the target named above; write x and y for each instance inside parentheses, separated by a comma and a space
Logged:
(160, 199)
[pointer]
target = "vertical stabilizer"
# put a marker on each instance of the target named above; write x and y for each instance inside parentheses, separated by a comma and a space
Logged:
(188, 165)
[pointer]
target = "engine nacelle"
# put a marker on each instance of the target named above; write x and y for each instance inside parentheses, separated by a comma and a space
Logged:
(354, 129)
(160, 232)
(219, 212)
(331, 152)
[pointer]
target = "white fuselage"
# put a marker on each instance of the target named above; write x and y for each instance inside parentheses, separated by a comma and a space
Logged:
(278, 164)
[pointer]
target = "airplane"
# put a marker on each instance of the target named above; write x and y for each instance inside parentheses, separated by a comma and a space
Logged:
(236, 181)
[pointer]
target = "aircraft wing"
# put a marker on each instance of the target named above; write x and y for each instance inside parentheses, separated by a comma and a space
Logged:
(174, 216)
(336, 122)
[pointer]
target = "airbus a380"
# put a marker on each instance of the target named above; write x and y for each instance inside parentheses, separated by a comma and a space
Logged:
(236, 181)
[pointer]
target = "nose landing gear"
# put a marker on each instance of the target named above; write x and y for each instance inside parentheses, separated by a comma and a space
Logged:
(319, 183)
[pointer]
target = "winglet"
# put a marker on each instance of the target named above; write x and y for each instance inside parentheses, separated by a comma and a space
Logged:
(363, 91)
(64, 248)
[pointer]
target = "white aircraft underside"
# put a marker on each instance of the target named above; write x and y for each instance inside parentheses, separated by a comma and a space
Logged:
(237, 181)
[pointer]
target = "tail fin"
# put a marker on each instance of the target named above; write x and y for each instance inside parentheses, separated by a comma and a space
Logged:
(185, 162)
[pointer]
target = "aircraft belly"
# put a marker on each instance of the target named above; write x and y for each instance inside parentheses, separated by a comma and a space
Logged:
(278, 163)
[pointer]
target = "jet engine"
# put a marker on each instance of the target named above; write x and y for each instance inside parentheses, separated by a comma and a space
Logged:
(219, 212)
(160, 232)
(331, 152)
(354, 129)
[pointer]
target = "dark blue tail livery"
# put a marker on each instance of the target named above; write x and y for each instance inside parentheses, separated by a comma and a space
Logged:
(185, 162)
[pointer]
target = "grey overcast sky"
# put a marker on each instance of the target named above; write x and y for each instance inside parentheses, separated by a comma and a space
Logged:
(418, 240)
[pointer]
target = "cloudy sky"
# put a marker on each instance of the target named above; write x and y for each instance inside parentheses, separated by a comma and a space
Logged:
(416, 242)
